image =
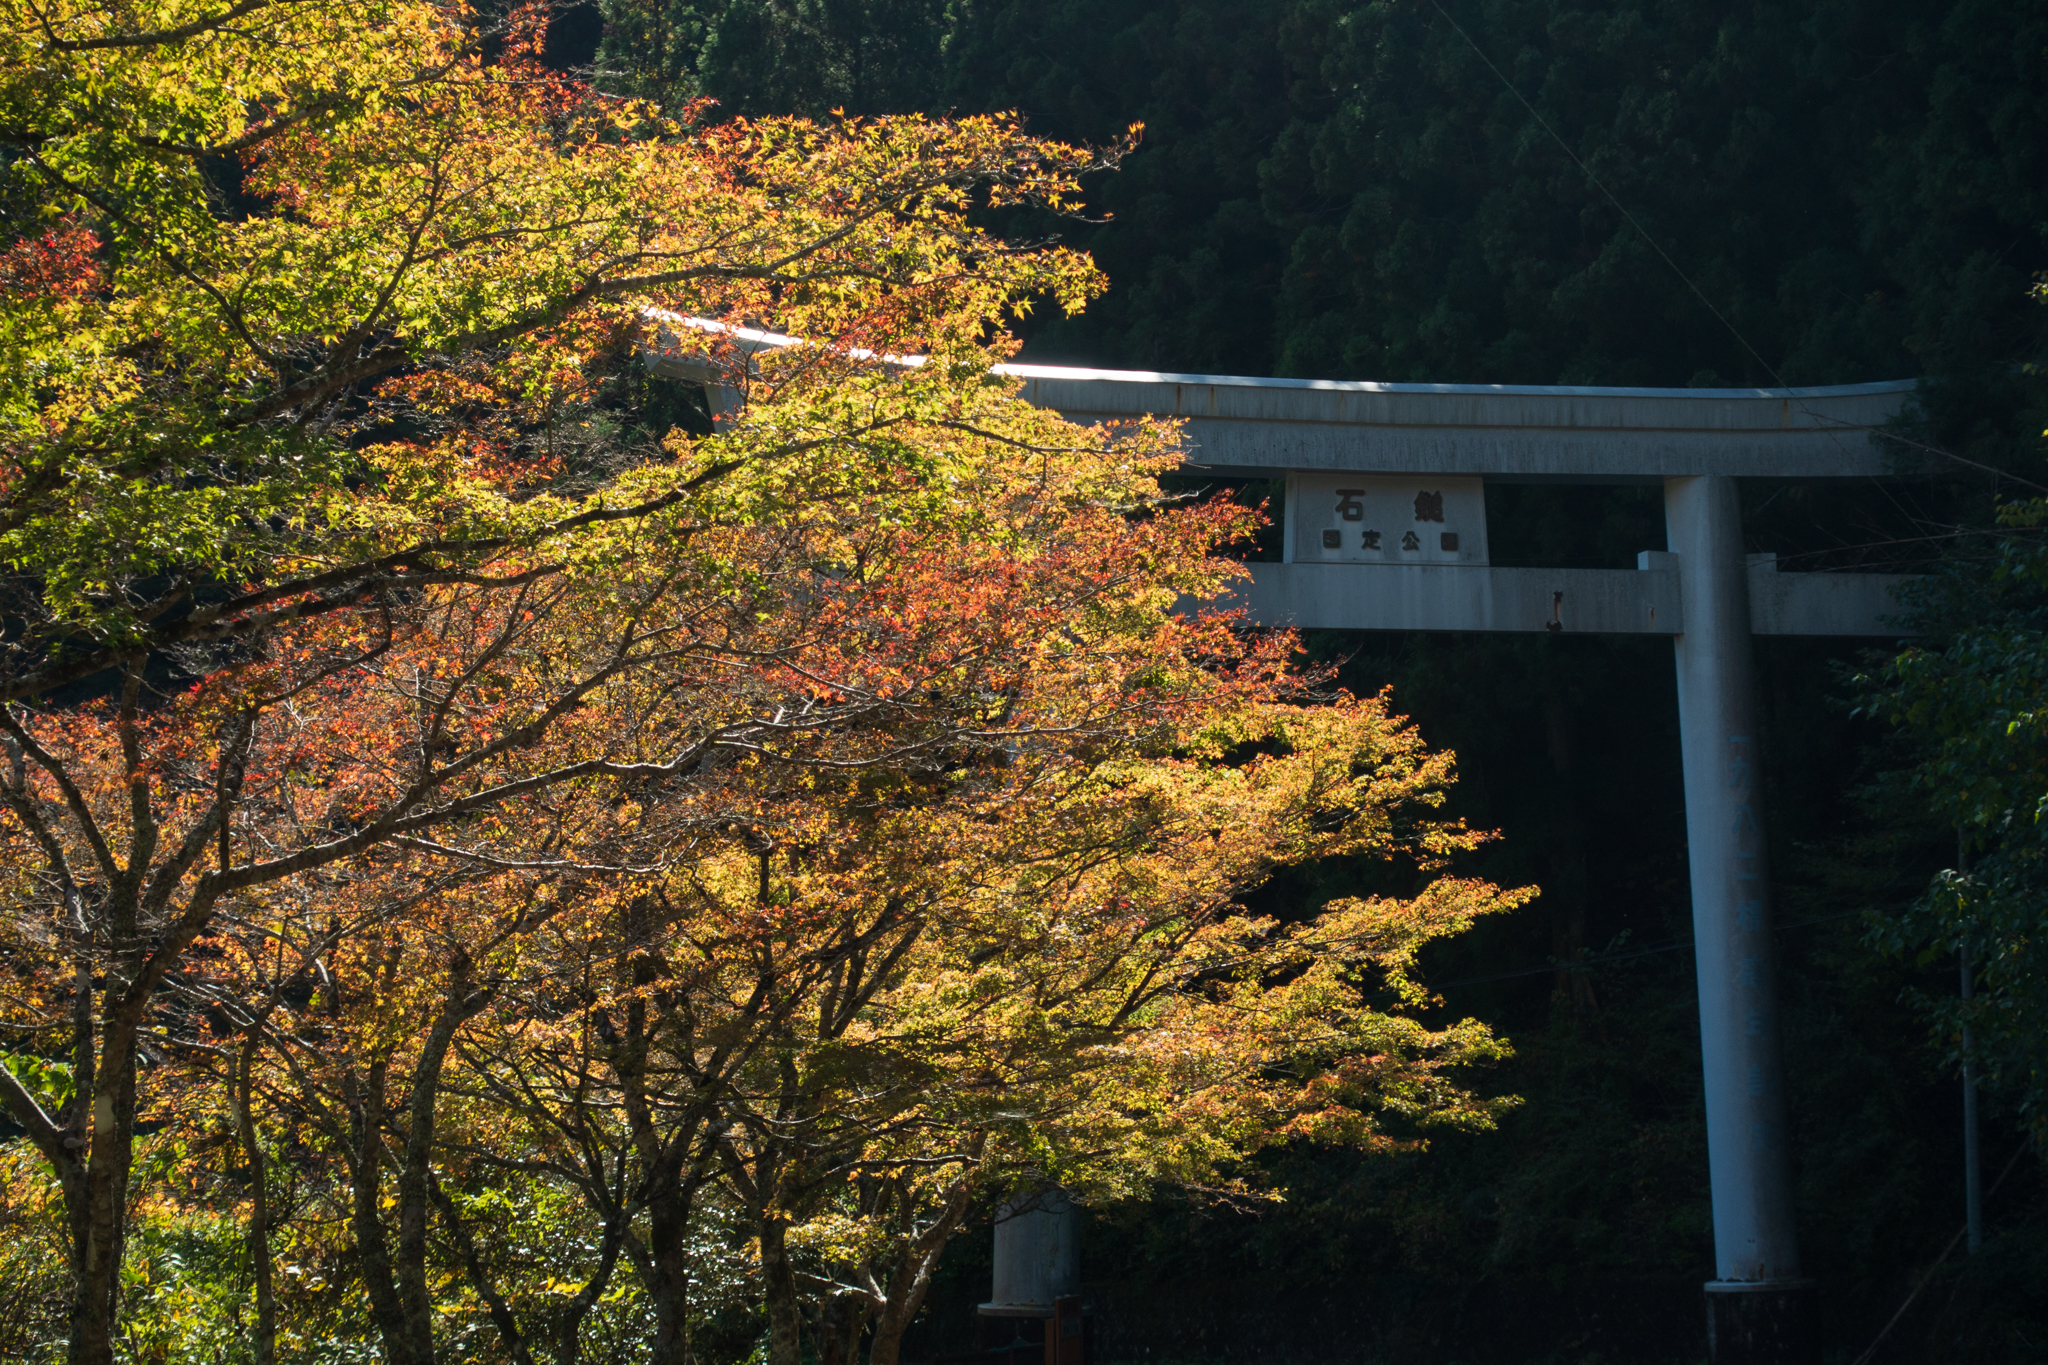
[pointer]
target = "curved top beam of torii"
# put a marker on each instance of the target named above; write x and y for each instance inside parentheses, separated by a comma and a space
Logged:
(1516, 432)
(1258, 427)
(1317, 434)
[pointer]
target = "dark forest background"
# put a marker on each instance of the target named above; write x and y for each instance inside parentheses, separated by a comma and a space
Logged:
(1845, 190)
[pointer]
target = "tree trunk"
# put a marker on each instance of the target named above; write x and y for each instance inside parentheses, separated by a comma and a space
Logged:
(667, 1275)
(125, 997)
(414, 1182)
(568, 1325)
(111, 1153)
(844, 1317)
(396, 1275)
(99, 1267)
(502, 1317)
(92, 1149)
(778, 1284)
(366, 1217)
(913, 1277)
(668, 1182)
(265, 1343)
(901, 1309)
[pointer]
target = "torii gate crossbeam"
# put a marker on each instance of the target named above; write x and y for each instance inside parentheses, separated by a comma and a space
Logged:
(1384, 529)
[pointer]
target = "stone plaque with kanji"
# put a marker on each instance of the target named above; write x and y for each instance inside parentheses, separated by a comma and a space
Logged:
(1386, 519)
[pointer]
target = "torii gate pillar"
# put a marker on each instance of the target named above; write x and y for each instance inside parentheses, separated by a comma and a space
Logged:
(1758, 1307)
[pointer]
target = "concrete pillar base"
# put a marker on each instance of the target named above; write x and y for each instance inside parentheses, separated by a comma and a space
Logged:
(1769, 1323)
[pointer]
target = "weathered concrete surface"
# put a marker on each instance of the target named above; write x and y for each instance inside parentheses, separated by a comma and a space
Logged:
(1823, 603)
(1037, 1259)
(1385, 519)
(1748, 1148)
(1762, 1324)
(1506, 431)
(1643, 601)
(1455, 597)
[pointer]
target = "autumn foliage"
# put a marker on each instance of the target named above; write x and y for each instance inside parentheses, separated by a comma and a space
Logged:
(483, 841)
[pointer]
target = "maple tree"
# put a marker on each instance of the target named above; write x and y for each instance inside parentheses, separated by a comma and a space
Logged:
(616, 980)
(330, 408)
(406, 756)
(1085, 1002)
(919, 996)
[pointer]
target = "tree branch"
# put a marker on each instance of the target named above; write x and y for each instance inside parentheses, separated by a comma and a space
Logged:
(168, 35)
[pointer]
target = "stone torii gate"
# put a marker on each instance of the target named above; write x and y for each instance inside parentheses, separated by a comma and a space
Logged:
(1385, 529)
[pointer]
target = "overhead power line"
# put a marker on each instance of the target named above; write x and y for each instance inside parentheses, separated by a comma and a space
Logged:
(1620, 207)
(1679, 271)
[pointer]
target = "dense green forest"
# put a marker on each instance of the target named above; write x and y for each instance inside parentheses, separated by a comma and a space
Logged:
(1814, 193)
